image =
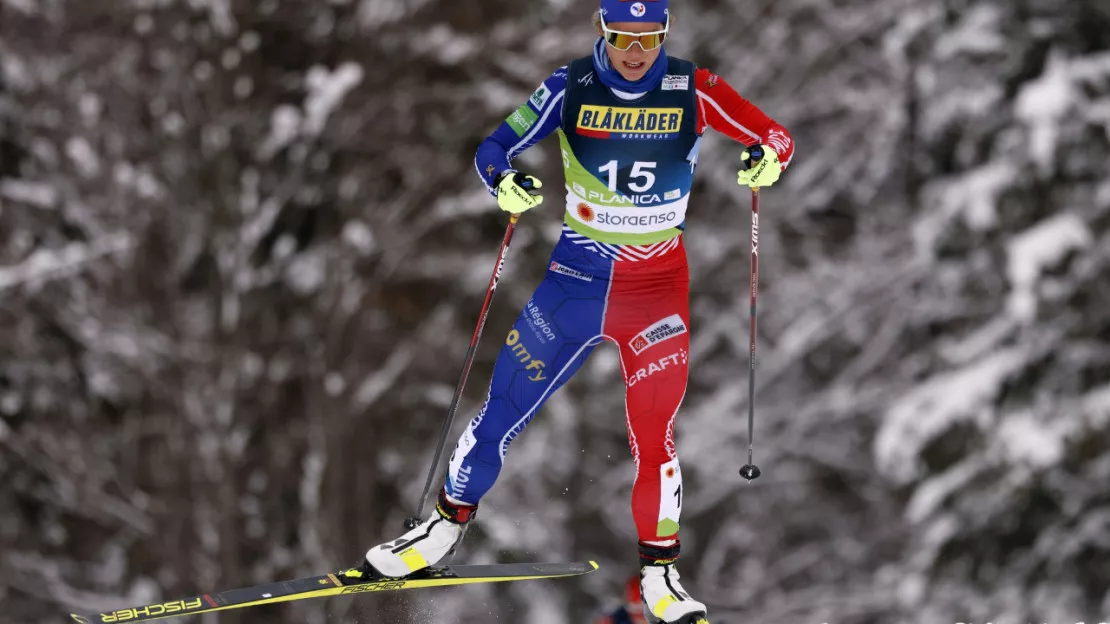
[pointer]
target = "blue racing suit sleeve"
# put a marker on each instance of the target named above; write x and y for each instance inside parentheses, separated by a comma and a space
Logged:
(528, 125)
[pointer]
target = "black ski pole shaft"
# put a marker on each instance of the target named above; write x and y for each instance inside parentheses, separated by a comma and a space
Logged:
(467, 363)
(749, 470)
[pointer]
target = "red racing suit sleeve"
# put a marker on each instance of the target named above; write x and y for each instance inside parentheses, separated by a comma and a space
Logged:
(720, 107)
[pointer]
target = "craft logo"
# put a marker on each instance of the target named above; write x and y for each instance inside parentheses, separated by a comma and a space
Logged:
(152, 611)
(622, 122)
(658, 332)
(657, 366)
(524, 357)
(638, 9)
(562, 269)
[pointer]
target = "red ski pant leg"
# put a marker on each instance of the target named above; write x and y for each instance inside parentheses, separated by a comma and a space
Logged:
(648, 320)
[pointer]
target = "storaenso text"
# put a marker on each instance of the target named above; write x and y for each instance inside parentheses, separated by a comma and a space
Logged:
(647, 220)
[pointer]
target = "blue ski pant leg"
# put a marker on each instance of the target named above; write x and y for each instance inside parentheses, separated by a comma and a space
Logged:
(554, 334)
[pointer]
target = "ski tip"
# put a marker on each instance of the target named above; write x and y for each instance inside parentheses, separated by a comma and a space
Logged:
(79, 618)
(594, 564)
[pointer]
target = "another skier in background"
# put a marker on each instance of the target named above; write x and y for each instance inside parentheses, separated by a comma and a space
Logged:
(632, 611)
(630, 121)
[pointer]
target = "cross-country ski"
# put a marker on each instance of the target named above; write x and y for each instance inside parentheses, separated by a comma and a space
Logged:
(345, 583)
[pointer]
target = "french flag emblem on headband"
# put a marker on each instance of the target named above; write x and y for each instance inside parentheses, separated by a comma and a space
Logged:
(634, 11)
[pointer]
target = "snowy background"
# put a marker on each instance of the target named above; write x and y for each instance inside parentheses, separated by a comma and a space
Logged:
(243, 246)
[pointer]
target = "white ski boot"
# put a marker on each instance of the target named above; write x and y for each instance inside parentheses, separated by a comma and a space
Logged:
(665, 601)
(425, 545)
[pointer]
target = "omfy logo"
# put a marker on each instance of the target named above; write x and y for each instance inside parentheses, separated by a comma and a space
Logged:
(524, 357)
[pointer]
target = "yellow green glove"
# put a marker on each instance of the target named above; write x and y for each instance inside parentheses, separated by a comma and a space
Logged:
(763, 169)
(517, 192)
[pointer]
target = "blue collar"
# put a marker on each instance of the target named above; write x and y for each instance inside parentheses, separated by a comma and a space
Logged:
(611, 78)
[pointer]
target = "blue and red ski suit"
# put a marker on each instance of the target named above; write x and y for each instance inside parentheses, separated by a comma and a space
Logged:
(619, 271)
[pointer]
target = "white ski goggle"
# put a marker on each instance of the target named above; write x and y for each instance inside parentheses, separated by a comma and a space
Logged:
(623, 40)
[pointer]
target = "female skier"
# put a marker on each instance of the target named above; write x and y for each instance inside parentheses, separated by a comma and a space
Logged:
(629, 120)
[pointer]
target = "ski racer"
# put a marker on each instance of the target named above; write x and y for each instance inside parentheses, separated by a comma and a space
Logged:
(629, 120)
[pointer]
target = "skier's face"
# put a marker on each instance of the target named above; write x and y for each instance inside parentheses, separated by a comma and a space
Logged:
(634, 62)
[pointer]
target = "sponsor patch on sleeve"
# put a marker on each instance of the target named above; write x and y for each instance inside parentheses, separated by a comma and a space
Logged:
(522, 120)
(540, 96)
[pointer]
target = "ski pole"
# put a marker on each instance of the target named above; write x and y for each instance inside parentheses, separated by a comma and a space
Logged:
(415, 520)
(749, 470)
